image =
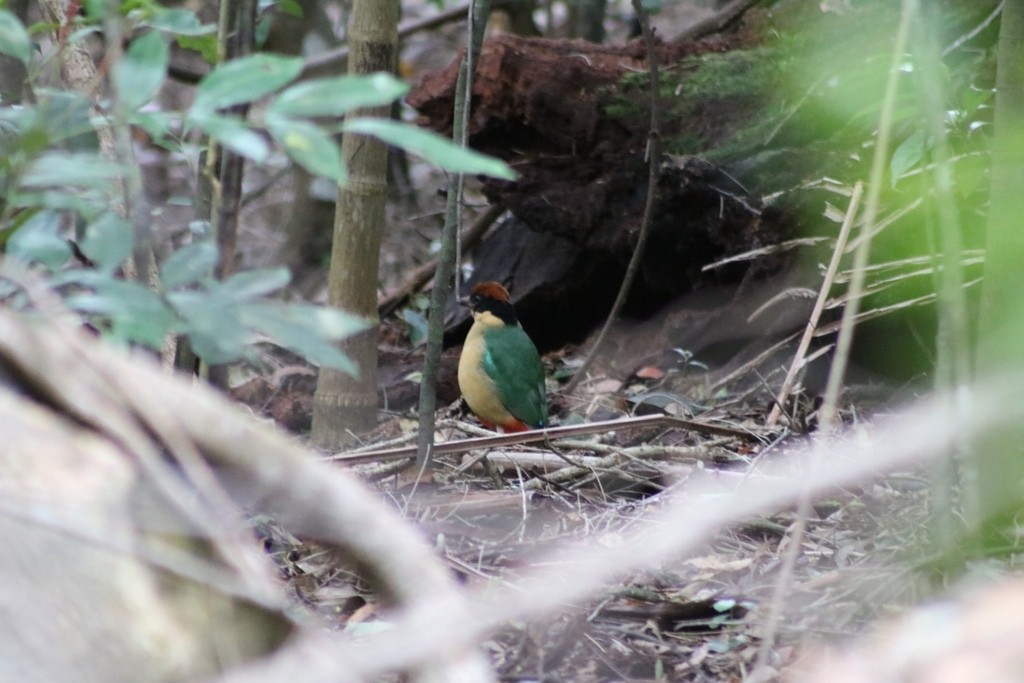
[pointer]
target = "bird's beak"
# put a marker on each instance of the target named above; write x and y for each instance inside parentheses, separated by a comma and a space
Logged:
(464, 301)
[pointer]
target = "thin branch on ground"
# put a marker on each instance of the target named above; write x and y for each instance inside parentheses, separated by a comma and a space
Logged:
(535, 435)
(579, 467)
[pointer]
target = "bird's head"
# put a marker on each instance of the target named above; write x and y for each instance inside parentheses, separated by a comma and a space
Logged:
(491, 304)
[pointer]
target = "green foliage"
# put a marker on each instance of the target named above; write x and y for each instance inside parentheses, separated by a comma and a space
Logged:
(178, 21)
(430, 146)
(337, 96)
(56, 189)
(38, 240)
(221, 319)
(243, 80)
(107, 242)
(14, 39)
(309, 146)
(140, 74)
(289, 7)
(710, 92)
(415, 318)
(908, 155)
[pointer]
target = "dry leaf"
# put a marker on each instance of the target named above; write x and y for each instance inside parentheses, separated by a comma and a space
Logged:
(650, 372)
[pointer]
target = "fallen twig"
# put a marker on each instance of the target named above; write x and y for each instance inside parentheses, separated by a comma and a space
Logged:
(499, 440)
(584, 466)
(819, 306)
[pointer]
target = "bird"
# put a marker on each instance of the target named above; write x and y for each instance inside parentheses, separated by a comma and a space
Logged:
(500, 372)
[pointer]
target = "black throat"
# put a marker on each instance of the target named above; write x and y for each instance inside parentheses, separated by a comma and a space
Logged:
(502, 310)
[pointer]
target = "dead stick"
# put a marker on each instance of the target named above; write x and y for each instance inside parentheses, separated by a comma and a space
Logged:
(464, 445)
(422, 275)
(819, 305)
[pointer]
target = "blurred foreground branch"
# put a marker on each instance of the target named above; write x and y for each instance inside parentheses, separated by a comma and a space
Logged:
(91, 500)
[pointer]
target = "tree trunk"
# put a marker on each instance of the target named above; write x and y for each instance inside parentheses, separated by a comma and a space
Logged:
(344, 405)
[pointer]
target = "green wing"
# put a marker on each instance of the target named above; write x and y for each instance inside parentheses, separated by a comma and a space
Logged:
(512, 361)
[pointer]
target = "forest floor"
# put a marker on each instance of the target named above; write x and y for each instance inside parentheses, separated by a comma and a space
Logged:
(494, 514)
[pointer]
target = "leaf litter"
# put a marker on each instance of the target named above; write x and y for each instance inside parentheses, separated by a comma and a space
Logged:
(493, 515)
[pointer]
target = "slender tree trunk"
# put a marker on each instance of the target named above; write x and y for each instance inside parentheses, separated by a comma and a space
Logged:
(345, 405)
(999, 484)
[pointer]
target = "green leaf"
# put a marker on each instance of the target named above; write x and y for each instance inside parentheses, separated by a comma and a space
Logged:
(95, 9)
(262, 31)
(291, 8)
(136, 313)
(306, 329)
(417, 324)
(337, 96)
(140, 74)
(244, 80)
(38, 240)
(309, 146)
(87, 203)
(156, 125)
(212, 325)
(82, 277)
(252, 284)
(62, 169)
(107, 242)
(181, 22)
(724, 605)
(14, 39)
(234, 134)
(15, 222)
(907, 155)
(431, 146)
(63, 114)
(205, 45)
(188, 265)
